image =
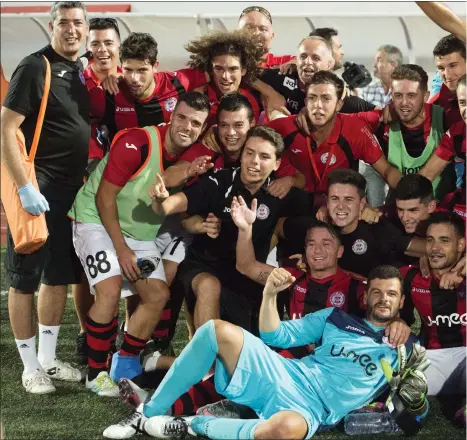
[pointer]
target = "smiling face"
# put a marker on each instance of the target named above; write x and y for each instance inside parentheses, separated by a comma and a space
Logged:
(409, 99)
(186, 124)
(258, 161)
(227, 73)
(383, 299)
(139, 75)
(105, 47)
(450, 68)
(412, 212)
(312, 56)
(344, 206)
(443, 246)
(322, 250)
(232, 128)
(69, 30)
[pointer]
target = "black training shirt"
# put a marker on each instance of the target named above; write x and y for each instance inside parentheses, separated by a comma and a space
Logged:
(214, 192)
(365, 248)
(288, 86)
(64, 143)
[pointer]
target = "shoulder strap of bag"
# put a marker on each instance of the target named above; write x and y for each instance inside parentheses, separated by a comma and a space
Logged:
(40, 118)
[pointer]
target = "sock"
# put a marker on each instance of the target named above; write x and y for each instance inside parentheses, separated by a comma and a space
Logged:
(98, 339)
(190, 367)
(48, 335)
(162, 329)
(197, 396)
(27, 351)
(219, 428)
(132, 346)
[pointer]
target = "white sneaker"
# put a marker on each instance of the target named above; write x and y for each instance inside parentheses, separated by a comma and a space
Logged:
(63, 371)
(37, 383)
(103, 385)
(168, 427)
(127, 428)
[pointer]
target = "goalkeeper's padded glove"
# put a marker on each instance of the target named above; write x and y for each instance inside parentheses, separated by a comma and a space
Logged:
(409, 382)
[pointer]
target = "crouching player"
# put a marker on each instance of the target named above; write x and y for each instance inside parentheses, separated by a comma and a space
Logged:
(113, 227)
(289, 395)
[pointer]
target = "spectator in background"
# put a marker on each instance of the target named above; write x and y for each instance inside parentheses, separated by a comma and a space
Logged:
(331, 36)
(259, 20)
(386, 60)
(60, 164)
(378, 93)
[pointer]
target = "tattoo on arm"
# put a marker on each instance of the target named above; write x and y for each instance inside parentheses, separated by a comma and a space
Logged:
(263, 276)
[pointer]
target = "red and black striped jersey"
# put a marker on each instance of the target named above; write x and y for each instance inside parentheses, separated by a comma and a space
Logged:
(442, 311)
(309, 295)
(123, 111)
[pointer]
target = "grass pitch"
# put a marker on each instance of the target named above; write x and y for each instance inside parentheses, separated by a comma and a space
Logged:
(75, 414)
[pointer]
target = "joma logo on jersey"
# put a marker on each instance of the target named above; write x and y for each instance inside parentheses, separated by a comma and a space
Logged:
(364, 359)
(300, 289)
(355, 329)
(124, 109)
(453, 319)
(290, 83)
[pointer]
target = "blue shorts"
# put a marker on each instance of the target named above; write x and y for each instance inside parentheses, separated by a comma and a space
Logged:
(269, 383)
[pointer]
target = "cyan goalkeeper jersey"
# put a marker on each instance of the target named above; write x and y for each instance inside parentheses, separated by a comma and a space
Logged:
(345, 369)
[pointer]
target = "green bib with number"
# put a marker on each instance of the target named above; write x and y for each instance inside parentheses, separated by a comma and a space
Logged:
(398, 155)
(135, 214)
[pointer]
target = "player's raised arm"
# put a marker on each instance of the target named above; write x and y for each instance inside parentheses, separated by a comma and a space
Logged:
(246, 262)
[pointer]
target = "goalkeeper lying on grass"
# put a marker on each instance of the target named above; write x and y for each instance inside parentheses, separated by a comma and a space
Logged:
(351, 365)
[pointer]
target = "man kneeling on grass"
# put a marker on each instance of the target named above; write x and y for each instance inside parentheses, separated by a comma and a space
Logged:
(294, 397)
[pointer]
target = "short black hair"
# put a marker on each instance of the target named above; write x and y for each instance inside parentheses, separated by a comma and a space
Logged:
(233, 102)
(333, 230)
(448, 218)
(139, 46)
(267, 134)
(449, 44)
(196, 100)
(411, 72)
(326, 77)
(102, 23)
(325, 33)
(415, 186)
(347, 177)
(385, 272)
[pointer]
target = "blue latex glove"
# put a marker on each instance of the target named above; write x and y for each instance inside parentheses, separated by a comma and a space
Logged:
(32, 200)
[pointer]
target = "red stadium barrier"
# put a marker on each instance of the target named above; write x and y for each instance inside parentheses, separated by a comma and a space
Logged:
(120, 7)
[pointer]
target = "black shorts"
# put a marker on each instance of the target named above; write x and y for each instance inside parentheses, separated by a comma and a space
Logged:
(55, 263)
(235, 307)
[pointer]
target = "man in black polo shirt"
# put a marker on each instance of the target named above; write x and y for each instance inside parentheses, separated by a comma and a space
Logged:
(60, 163)
(208, 271)
(313, 54)
(365, 245)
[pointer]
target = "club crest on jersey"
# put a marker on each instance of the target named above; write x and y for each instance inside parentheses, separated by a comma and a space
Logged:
(337, 299)
(263, 212)
(170, 104)
(324, 159)
(81, 77)
(359, 247)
